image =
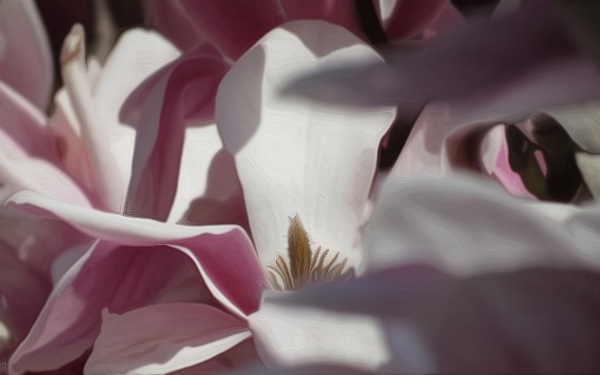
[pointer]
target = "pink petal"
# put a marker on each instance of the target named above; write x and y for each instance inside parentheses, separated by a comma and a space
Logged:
(233, 26)
(26, 125)
(163, 338)
(108, 276)
(409, 18)
(135, 270)
(22, 295)
(28, 149)
(180, 95)
(25, 56)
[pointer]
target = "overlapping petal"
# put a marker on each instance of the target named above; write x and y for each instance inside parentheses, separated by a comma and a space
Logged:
(172, 149)
(140, 263)
(299, 158)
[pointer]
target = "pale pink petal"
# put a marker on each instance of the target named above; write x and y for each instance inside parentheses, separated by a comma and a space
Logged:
(107, 276)
(22, 295)
(299, 158)
(30, 152)
(468, 226)
(227, 257)
(109, 226)
(25, 56)
(531, 321)
(136, 56)
(163, 338)
(179, 96)
(122, 278)
(26, 125)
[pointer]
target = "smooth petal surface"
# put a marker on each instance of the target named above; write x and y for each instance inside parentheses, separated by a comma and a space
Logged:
(163, 109)
(298, 337)
(229, 260)
(233, 26)
(145, 264)
(511, 51)
(136, 56)
(25, 56)
(465, 226)
(163, 338)
(299, 158)
(536, 320)
(88, 111)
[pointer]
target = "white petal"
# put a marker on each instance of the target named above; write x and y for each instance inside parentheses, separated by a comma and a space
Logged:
(136, 56)
(201, 144)
(467, 226)
(299, 158)
(288, 337)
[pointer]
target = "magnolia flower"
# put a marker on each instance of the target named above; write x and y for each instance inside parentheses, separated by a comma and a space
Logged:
(314, 148)
(158, 297)
(84, 154)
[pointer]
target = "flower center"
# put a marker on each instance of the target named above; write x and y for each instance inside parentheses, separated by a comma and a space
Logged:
(306, 266)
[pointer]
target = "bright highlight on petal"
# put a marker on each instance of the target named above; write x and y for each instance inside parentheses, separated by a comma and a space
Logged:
(298, 157)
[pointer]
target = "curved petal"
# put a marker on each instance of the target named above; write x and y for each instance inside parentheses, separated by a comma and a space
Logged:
(467, 226)
(25, 56)
(233, 26)
(106, 276)
(531, 321)
(288, 338)
(212, 267)
(109, 226)
(480, 63)
(22, 295)
(299, 158)
(179, 96)
(407, 19)
(168, 336)
(136, 56)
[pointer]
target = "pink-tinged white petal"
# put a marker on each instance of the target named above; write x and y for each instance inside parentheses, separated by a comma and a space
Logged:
(163, 338)
(467, 226)
(213, 267)
(109, 226)
(530, 321)
(495, 160)
(136, 56)
(296, 337)
(163, 109)
(20, 171)
(106, 276)
(300, 158)
(25, 56)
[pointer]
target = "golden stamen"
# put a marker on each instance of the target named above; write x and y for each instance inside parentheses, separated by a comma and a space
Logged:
(305, 265)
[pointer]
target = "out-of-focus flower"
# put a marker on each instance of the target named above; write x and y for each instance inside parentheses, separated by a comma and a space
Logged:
(324, 158)
(234, 26)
